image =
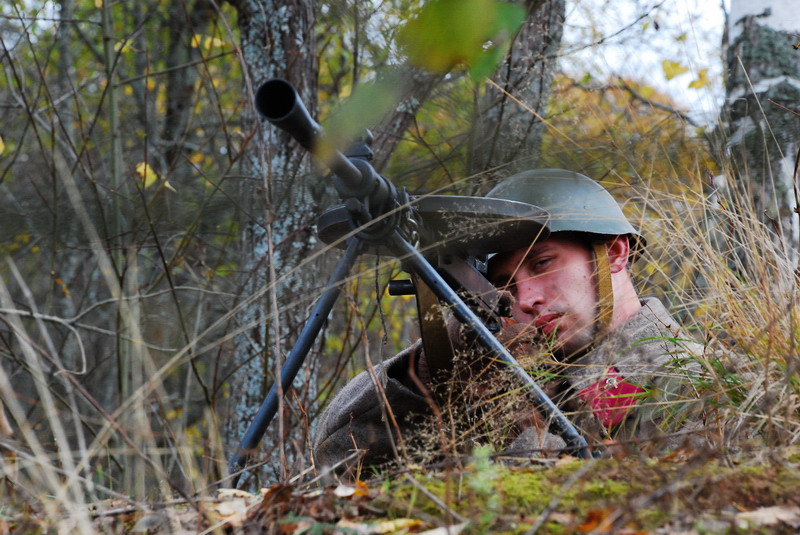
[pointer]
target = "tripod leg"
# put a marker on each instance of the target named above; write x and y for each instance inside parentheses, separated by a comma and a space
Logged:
(294, 361)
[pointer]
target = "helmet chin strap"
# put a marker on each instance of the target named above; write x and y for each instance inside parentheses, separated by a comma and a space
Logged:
(605, 291)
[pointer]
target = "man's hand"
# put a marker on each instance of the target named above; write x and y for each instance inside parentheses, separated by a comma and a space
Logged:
(471, 364)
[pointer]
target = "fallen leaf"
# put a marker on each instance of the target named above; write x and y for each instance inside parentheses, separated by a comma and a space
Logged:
(390, 526)
(344, 491)
(596, 520)
(231, 507)
(233, 493)
(561, 518)
(455, 529)
(353, 527)
(771, 516)
(277, 494)
(362, 489)
(701, 80)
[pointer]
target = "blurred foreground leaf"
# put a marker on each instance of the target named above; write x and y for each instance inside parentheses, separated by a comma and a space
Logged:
(452, 33)
(368, 104)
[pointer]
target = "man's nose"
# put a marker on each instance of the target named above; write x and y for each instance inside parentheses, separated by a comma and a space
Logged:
(529, 295)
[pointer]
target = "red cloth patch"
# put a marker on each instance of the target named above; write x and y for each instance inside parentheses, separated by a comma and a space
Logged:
(611, 398)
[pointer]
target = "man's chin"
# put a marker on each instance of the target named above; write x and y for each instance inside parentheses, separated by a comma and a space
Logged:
(573, 347)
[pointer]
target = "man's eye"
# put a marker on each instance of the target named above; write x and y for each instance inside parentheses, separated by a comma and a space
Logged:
(538, 264)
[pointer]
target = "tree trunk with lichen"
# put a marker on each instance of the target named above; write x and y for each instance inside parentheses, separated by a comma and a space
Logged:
(277, 40)
(762, 125)
(508, 127)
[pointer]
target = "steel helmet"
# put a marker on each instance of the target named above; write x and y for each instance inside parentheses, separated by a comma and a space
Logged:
(574, 201)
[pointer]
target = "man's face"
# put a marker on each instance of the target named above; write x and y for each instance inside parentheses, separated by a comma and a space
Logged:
(553, 285)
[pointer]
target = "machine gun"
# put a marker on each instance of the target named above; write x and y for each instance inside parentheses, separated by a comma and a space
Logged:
(453, 232)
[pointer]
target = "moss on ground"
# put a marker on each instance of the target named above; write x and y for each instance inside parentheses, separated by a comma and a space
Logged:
(702, 493)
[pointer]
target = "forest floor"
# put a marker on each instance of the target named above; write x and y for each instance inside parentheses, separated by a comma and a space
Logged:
(756, 492)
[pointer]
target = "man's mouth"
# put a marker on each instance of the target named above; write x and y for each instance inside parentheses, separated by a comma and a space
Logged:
(547, 323)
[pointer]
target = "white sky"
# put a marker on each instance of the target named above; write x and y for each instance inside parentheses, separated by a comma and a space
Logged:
(689, 32)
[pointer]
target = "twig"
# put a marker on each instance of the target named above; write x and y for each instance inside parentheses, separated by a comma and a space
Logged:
(68, 324)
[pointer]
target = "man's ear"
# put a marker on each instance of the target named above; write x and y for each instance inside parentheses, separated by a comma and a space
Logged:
(619, 252)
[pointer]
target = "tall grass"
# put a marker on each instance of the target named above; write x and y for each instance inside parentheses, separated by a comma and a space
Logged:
(734, 283)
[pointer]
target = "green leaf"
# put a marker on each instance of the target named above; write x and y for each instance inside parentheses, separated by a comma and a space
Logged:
(672, 68)
(509, 18)
(453, 33)
(485, 64)
(365, 107)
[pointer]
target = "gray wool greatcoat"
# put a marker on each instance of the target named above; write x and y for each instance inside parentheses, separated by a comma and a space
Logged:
(634, 386)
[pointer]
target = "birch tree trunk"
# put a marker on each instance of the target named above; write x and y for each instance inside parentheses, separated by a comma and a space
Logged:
(760, 116)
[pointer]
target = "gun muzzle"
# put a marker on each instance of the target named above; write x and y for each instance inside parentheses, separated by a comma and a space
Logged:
(278, 102)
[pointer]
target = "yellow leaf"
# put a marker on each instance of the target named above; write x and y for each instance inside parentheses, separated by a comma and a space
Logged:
(672, 68)
(197, 158)
(124, 46)
(2, 145)
(701, 81)
(646, 91)
(390, 526)
(206, 41)
(146, 173)
(98, 4)
(211, 42)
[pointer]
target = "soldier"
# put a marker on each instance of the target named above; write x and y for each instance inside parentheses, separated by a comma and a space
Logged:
(616, 364)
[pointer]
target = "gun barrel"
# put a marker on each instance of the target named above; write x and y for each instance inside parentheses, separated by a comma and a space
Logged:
(278, 102)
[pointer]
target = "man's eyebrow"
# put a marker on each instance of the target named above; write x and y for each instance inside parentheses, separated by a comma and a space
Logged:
(533, 251)
(539, 249)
